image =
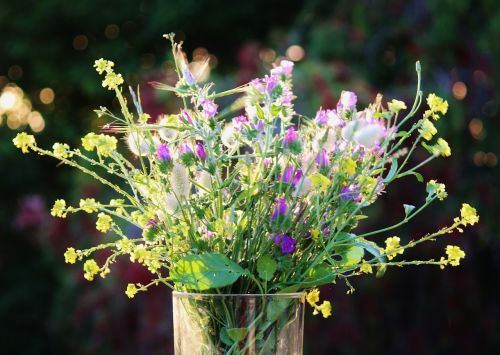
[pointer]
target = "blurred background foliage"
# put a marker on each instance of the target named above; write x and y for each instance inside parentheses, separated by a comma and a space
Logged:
(48, 87)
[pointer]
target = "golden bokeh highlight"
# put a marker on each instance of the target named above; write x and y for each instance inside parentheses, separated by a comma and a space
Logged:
(80, 42)
(47, 96)
(16, 110)
(459, 90)
(476, 128)
(295, 53)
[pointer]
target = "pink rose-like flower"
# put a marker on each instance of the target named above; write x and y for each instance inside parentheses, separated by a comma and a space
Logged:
(285, 68)
(209, 107)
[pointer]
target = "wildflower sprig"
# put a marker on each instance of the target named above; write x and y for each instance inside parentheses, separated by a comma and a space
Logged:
(252, 197)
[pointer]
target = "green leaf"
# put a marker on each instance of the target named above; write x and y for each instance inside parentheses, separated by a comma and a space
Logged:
(260, 113)
(205, 271)
(237, 334)
(419, 177)
(266, 267)
(354, 255)
(392, 170)
(319, 275)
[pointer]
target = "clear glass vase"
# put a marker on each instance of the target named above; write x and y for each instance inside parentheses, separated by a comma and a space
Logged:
(238, 324)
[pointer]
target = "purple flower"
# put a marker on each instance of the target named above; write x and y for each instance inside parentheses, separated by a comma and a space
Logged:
(185, 117)
(239, 121)
(285, 68)
(287, 243)
(270, 82)
(287, 175)
(163, 153)
(200, 151)
(322, 158)
(297, 177)
(267, 162)
(151, 223)
(280, 209)
(209, 107)
(347, 100)
(260, 126)
(291, 137)
(350, 193)
(321, 117)
(184, 149)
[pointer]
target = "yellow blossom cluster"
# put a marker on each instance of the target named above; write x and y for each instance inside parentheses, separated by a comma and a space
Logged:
(433, 187)
(312, 298)
(131, 290)
(393, 247)
(70, 256)
(396, 105)
(366, 268)
(59, 209)
(111, 80)
(89, 205)
(454, 254)
(91, 269)
(436, 105)
(104, 222)
(104, 144)
(441, 148)
(427, 129)
(24, 141)
(61, 150)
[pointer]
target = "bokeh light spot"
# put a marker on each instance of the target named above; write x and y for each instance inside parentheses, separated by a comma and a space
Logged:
(47, 96)
(80, 42)
(459, 90)
(15, 72)
(112, 31)
(476, 128)
(295, 53)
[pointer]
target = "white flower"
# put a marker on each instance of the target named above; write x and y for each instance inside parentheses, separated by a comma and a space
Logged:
(348, 99)
(138, 144)
(204, 179)
(369, 135)
(328, 143)
(171, 205)
(179, 180)
(167, 134)
(303, 187)
(228, 136)
(349, 129)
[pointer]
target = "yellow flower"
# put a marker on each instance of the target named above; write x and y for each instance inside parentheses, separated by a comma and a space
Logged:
(91, 269)
(396, 105)
(70, 256)
(314, 233)
(441, 148)
(106, 144)
(438, 189)
(89, 205)
(437, 104)
(469, 214)
(24, 141)
(313, 297)
(112, 80)
(454, 254)
(59, 209)
(325, 308)
(366, 268)
(90, 141)
(393, 247)
(104, 222)
(349, 166)
(443, 262)
(60, 150)
(320, 182)
(427, 129)
(101, 65)
(131, 290)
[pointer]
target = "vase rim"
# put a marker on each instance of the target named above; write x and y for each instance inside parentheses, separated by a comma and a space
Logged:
(188, 294)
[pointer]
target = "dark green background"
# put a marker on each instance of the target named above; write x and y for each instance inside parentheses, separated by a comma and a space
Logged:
(367, 46)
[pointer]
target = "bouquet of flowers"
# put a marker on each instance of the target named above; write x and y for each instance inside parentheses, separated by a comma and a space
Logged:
(251, 198)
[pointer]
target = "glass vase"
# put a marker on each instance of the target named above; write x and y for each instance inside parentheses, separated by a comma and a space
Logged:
(240, 324)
